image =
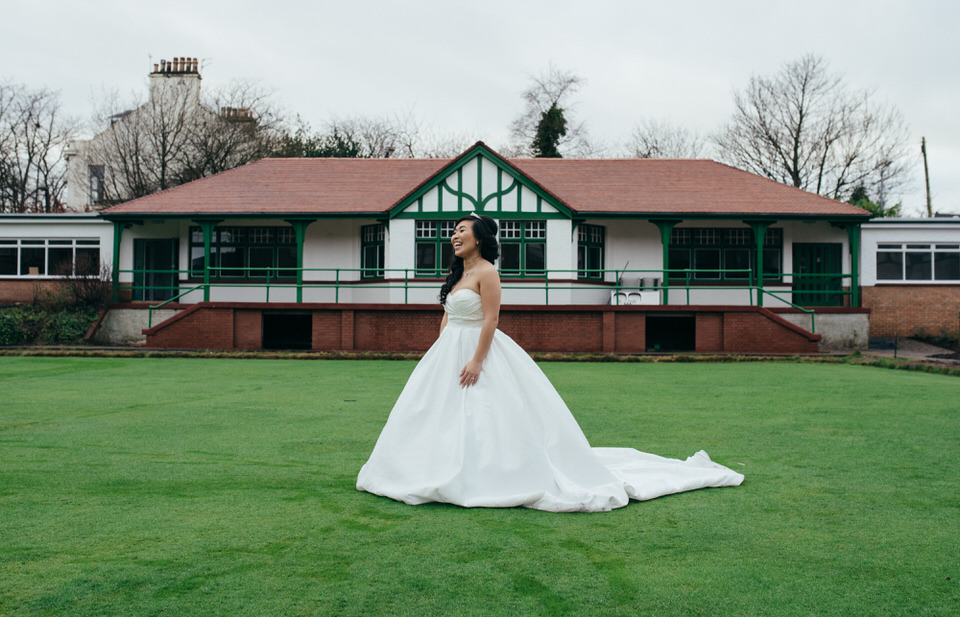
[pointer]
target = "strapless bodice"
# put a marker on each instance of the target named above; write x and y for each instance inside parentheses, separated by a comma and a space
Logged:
(464, 308)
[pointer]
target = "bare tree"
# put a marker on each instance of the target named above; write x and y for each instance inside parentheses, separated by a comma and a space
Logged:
(245, 128)
(435, 145)
(176, 135)
(380, 136)
(805, 128)
(550, 91)
(142, 148)
(658, 139)
(397, 136)
(33, 134)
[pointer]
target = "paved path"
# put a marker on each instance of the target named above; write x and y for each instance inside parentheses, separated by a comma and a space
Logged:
(912, 349)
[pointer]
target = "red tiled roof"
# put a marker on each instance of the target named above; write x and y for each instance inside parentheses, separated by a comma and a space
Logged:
(665, 186)
(292, 186)
(372, 186)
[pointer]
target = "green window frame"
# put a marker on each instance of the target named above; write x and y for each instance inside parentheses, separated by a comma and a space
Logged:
(246, 253)
(523, 248)
(372, 251)
(433, 247)
(591, 248)
(722, 254)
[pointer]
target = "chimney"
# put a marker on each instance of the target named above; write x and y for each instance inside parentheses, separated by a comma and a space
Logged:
(179, 65)
(179, 72)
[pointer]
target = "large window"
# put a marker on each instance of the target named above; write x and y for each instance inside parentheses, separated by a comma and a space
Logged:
(246, 252)
(918, 262)
(590, 250)
(434, 250)
(371, 251)
(49, 257)
(523, 248)
(717, 254)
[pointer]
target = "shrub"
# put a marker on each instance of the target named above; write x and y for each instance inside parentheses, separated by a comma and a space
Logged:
(31, 325)
(10, 331)
(66, 327)
(92, 285)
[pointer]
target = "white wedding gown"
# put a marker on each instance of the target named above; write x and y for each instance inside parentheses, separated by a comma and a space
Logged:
(510, 439)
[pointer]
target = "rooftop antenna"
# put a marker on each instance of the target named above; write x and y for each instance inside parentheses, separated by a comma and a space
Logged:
(926, 175)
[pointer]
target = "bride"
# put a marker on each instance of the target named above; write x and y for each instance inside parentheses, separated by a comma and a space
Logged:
(479, 425)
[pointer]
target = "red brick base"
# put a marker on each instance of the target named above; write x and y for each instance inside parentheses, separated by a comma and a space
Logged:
(413, 328)
(25, 290)
(907, 310)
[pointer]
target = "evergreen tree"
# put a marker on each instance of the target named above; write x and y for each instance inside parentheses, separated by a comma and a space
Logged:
(860, 198)
(551, 128)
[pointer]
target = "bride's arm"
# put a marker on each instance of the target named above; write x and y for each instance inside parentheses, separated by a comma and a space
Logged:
(443, 322)
(490, 302)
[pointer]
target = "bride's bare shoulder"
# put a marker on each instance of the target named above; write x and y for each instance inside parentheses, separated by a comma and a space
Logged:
(487, 270)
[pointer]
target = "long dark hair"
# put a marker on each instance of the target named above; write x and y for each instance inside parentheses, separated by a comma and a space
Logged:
(485, 231)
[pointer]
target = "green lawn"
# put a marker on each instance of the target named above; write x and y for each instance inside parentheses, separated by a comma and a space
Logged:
(226, 487)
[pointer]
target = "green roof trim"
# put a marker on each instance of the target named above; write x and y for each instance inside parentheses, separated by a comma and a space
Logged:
(509, 178)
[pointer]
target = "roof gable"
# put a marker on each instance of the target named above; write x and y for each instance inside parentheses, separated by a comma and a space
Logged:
(481, 181)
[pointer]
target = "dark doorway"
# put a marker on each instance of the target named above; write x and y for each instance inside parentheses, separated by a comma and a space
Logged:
(671, 333)
(816, 267)
(155, 268)
(287, 330)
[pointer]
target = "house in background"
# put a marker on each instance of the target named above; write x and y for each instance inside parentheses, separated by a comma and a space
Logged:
(169, 139)
(597, 255)
(626, 255)
(911, 276)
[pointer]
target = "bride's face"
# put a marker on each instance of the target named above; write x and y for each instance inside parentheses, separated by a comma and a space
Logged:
(463, 240)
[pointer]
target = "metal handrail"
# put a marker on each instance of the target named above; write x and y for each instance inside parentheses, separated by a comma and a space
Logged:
(690, 279)
(165, 302)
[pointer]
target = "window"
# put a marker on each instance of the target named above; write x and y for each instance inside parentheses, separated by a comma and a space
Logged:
(96, 174)
(590, 250)
(523, 248)
(371, 251)
(246, 252)
(49, 257)
(434, 250)
(918, 262)
(716, 254)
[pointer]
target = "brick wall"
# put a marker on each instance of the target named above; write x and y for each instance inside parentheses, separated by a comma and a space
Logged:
(401, 328)
(198, 327)
(18, 291)
(905, 310)
(247, 329)
(709, 332)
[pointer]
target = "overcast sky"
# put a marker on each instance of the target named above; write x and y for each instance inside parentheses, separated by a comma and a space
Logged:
(459, 67)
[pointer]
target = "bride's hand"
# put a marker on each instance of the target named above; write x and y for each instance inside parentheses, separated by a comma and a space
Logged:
(470, 374)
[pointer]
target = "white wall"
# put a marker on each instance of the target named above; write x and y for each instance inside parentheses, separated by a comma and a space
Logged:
(59, 227)
(332, 243)
(634, 245)
(920, 231)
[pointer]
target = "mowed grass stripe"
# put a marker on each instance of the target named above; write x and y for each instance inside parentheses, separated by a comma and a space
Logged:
(226, 487)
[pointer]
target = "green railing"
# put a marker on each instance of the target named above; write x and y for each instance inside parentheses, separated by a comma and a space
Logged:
(620, 283)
